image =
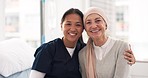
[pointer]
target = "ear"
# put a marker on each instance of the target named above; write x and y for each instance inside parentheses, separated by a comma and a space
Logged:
(106, 26)
(61, 27)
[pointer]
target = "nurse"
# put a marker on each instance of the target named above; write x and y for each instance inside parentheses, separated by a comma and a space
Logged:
(59, 58)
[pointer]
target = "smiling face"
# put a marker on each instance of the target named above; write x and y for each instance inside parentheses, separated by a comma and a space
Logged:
(95, 26)
(72, 28)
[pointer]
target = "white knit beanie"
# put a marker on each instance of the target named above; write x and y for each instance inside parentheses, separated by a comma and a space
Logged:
(96, 10)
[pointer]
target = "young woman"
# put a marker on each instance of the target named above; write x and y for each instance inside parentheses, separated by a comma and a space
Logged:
(59, 58)
(103, 55)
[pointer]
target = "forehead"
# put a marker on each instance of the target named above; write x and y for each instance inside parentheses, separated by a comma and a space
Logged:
(74, 17)
(93, 16)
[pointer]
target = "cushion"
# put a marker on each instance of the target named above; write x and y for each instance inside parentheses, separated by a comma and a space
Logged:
(15, 56)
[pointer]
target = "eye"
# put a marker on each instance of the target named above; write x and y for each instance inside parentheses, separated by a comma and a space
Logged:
(98, 21)
(78, 24)
(68, 24)
(88, 22)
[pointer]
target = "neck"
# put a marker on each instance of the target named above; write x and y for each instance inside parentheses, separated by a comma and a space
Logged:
(69, 44)
(100, 41)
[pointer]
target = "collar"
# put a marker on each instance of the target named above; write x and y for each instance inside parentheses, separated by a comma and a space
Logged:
(104, 45)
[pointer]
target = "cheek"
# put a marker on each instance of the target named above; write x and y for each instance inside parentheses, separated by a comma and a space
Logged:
(80, 31)
(86, 29)
(64, 30)
(104, 27)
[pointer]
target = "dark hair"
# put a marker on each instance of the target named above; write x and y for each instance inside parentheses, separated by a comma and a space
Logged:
(74, 11)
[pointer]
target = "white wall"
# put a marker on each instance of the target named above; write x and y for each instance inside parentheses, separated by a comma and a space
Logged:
(2, 19)
(139, 70)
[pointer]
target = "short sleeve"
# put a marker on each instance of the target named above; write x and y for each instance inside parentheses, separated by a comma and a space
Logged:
(43, 58)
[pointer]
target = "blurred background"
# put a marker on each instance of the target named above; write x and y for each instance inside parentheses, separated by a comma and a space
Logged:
(38, 21)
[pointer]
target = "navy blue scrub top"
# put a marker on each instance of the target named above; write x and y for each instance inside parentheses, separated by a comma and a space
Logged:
(53, 59)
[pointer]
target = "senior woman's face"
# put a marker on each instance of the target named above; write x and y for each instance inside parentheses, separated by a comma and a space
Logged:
(95, 26)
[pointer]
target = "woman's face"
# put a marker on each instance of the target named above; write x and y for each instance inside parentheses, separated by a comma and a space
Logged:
(95, 26)
(72, 27)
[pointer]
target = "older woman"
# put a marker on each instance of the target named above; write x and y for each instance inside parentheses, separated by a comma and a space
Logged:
(103, 56)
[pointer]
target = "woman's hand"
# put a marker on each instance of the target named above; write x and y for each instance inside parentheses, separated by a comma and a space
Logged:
(128, 55)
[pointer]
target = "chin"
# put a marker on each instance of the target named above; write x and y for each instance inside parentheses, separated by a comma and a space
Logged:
(73, 40)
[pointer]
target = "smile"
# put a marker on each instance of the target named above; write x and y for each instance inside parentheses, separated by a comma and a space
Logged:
(72, 34)
(94, 31)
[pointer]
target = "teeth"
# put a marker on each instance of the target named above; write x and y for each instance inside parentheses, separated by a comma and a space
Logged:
(72, 34)
(94, 30)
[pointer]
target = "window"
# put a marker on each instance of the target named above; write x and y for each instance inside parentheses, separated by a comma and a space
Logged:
(22, 20)
(131, 25)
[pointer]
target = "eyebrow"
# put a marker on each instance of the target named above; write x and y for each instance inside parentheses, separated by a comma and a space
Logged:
(88, 20)
(78, 22)
(98, 18)
(68, 21)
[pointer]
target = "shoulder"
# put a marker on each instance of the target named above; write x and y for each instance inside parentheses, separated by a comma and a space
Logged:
(52, 42)
(121, 45)
(47, 47)
(80, 45)
(83, 51)
(82, 55)
(119, 42)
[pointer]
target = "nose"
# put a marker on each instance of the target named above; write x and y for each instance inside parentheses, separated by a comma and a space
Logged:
(73, 28)
(94, 25)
